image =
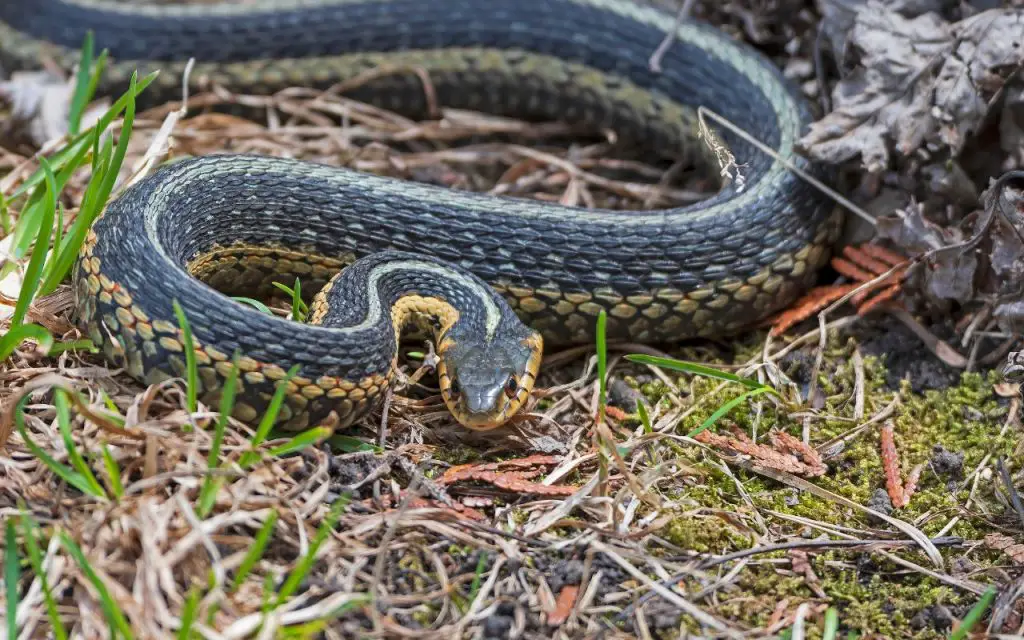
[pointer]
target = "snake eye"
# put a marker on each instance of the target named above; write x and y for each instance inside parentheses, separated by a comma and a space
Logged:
(511, 387)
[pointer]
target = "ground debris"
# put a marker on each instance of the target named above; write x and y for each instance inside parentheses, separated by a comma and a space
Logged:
(1013, 549)
(785, 453)
(915, 82)
(512, 475)
(899, 491)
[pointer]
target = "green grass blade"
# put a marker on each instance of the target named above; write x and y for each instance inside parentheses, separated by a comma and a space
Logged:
(64, 425)
(74, 145)
(212, 484)
(188, 614)
(69, 248)
(66, 473)
(474, 587)
(113, 472)
(698, 369)
(645, 419)
(16, 335)
(81, 95)
(726, 408)
(259, 306)
(299, 308)
(12, 576)
(269, 418)
(304, 565)
(350, 444)
(975, 615)
(602, 363)
(5, 216)
(302, 441)
(255, 552)
(110, 609)
(30, 283)
(97, 73)
(122, 142)
(191, 372)
(831, 624)
(84, 344)
(35, 558)
(30, 222)
(107, 179)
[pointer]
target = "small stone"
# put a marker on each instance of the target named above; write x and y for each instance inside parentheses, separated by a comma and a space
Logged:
(497, 626)
(879, 502)
(947, 463)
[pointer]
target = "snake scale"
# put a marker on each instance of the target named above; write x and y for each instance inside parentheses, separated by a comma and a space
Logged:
(496, 279)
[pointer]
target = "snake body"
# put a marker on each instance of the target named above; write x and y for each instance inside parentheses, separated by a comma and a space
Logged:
(495, 278)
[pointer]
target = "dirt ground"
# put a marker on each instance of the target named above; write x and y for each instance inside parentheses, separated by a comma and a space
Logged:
(872, 494)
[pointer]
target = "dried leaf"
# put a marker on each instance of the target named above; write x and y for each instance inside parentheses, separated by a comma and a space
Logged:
(789, 444)
(763, 455)
(885, 100)
(464, 471)
(1006, 544)
(920, 80)
(891, 465)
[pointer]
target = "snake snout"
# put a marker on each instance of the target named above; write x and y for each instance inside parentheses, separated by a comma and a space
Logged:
(482, 399)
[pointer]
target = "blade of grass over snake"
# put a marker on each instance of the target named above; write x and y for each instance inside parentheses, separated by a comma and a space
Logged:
(191, 370)
(269, 418)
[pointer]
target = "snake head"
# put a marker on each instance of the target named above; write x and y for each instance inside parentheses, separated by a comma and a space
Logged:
(485, 382)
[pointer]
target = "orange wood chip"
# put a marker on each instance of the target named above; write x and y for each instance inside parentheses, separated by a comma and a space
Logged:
(564, 604)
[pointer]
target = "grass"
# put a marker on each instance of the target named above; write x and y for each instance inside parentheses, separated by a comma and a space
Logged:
(50, 261)
(37, 235)
(975, 615)
(753, 387)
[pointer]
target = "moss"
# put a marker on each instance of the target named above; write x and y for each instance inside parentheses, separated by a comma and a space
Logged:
(457, 455)
(705, 534)
(871, 595)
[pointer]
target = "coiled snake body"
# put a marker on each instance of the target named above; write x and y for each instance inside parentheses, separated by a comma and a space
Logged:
(477, 267)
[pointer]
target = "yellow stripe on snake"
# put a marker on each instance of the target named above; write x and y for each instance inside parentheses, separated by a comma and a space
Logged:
(495, 279)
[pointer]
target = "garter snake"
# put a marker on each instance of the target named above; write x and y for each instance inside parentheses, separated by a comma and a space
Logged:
(496, 278)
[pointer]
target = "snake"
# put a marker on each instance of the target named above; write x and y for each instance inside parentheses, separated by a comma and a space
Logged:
(493, 280)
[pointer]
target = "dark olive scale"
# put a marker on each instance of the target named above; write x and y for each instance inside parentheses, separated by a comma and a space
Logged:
(708, 269)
